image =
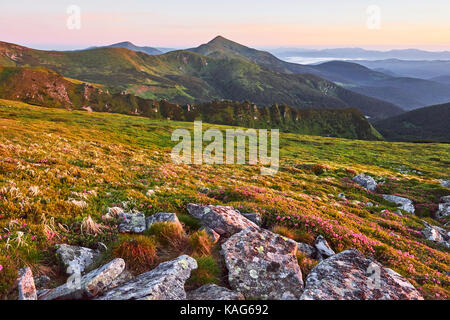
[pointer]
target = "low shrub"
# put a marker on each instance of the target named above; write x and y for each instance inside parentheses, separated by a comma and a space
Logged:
(139, 253)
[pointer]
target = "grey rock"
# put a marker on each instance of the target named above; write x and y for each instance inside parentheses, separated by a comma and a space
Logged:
(165, 282)
(403, 203)
(215, 237)
(89, 286)
(445, 199)
(213, 292)
(307, 250)
(132, 223)
(351, 276)
(27, 289)
(366, 181)
(443, 211)
(254, 217)
(369, 204)
(123, 278)
(436, 234)
(323, 248)
(41, 282)
(162, 217)
(263, 265)
(76, 259)
(341, 195)
(226, 221)
(445, 183)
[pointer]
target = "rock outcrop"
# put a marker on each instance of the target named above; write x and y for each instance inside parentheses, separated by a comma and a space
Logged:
(263, 265)
(366, 181)
(349, 275)
(76, 259)
(89, 286)
(132, 223)
(224, 220)
(165, 282)
(213, 292)
(27, 289)
(403, 203)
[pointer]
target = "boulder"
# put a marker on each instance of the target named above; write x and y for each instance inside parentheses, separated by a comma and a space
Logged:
(403, 203)
(132, 223)
(366, 181)
(89, 286)
(224, 220)
(436, 234)
(213, 292)
(76, 259)
(165, 282)
(215, 237)
(254, 217)
(263, 265)
(351, 276)
(27, 289)
(323, 248)
(162, 217)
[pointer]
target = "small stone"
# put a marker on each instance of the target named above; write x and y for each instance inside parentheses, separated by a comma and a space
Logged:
(132, 223)
(341, 195)
(445, 183)
(307, 250)
(403, 203)
(323, 248)
(27, 289)
(76, 259)
(89, 286)
(162, 217)
(366, 181)
(213, 292)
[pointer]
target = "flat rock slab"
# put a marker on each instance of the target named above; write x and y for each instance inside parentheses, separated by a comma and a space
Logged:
(349, 275)
(89, 286)
(165, 282)
(132, 223)
(366, 182)
(162, 217)
(224, 220)
(263, 265)
(27, 289)
(76, 259)
(211, 292)
(403, 203)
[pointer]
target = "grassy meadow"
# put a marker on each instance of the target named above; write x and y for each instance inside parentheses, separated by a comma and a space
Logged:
(58, 168)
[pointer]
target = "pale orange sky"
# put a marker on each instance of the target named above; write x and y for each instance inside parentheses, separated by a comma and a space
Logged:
(263, 23)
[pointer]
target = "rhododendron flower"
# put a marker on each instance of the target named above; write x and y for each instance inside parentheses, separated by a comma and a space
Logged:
(1, 267)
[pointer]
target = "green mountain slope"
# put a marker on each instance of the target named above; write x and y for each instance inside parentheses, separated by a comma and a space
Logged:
(43, 87)
(188, 77)
(425, 124)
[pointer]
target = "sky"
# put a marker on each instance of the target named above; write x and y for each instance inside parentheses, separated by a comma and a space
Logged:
(375, 24)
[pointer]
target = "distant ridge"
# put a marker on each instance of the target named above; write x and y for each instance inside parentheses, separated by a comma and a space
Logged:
(130, 46)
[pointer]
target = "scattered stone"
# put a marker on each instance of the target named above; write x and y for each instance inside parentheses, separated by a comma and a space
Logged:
(41, 282)
(213, 292)
(263, 265)
(445, 183)
(307, 250)
(351, 276)
(132, 223)
(436, 234)
(204, 190)
(150, 193)
(27, 289)
(162, 217)
(215, 237)
(369, 204)
(366, 181)
(341, 195)
(323, 248)
(443, 211)
(165, 282)
(254, 217)
(76, 259)
(224, 220)
(89, 286)
(403, 203)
